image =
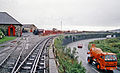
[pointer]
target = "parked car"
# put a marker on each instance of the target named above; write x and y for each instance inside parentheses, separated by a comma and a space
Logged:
(80, 46)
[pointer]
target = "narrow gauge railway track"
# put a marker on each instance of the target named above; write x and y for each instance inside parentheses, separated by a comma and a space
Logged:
(8, 55)
(6, 52)
(12, 56)
(31, 63)
(8, 63)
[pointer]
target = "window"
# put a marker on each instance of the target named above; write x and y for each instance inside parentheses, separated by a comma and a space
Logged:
(110, 58)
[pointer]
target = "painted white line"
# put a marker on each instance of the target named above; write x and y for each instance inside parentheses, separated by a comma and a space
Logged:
(95, 70)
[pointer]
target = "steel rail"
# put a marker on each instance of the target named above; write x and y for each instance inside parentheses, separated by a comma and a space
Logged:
(18, 59)
(38, 58)
(8, 56)
(35, 61)
(28, 56)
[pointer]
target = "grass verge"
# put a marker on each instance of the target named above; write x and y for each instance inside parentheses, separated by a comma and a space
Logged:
(6, 38)
(66, 58)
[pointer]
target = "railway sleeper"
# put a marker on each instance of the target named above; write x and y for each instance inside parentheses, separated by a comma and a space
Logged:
(42, 59)
(40, 71)
(10, 67)
(26, 67)
(31, 59)
(29, 63)
(42, 64)
(40, 67)
(33, 56)
(11, 63)
(36, 50)
(35, 53)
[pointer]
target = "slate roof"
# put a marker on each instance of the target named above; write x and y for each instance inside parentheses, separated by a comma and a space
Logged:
(5, 18)
(28, 25)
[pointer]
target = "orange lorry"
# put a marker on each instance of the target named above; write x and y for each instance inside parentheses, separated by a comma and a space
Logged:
(103, 60)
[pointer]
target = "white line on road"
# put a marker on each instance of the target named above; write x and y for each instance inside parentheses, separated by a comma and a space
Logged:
(95, 70)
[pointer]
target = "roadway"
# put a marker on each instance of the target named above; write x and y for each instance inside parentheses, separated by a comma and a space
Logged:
(82, 53)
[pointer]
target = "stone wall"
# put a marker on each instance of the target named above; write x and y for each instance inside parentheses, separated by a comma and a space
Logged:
(18, 29)
(4, 28)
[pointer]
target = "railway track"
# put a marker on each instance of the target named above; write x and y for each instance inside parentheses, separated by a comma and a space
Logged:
(7, 65)
(5, 53)
(35, 61)
(16, 62)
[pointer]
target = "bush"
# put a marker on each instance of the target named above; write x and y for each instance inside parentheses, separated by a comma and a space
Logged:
(117, 45)
(4, 31)
(118, 56)
(67, 58)
(111, 40)
(1, 34)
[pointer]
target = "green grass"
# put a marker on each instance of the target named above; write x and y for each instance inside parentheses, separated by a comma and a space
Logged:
(6, 38)
(109, 45)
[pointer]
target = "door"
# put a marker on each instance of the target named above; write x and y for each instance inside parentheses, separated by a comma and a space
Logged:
(11, 30)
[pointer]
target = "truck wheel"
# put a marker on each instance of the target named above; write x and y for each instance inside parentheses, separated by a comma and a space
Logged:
(89, 59)
(110, 71)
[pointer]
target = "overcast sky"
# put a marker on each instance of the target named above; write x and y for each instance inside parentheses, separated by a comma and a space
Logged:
(74, 14)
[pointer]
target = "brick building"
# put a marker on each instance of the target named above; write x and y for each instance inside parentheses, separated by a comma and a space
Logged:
(9, 25)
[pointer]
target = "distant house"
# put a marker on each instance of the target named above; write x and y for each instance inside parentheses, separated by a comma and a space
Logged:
(29, 27)
(10, 26)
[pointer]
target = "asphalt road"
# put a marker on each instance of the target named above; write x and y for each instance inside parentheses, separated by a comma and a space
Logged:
(82, 53)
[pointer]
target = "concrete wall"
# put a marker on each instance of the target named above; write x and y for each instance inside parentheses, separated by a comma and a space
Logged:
(73, 38)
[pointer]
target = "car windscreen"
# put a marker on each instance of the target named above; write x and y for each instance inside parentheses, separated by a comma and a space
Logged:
(110, 58)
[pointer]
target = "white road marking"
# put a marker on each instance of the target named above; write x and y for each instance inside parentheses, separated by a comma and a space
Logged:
(95, 70)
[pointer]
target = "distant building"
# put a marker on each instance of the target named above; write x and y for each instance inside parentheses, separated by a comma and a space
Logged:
(74, 31)
(29, 27)
(115, 31)
(10, 26)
